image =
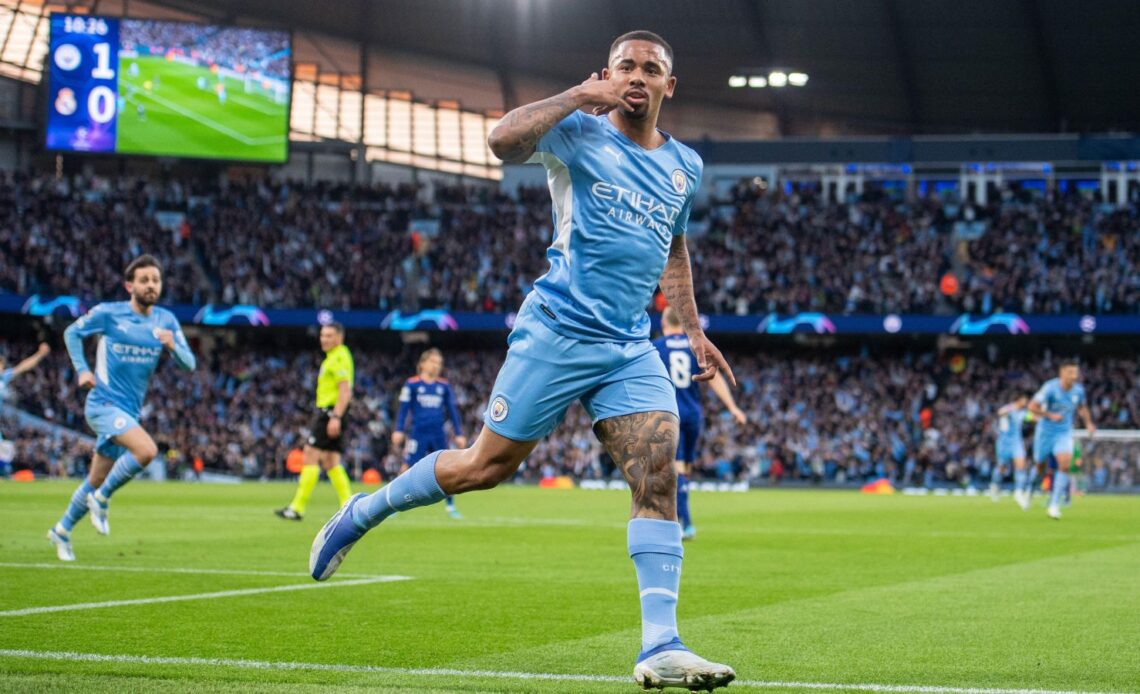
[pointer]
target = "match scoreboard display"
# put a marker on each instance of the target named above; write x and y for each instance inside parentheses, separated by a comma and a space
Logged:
(132, 86)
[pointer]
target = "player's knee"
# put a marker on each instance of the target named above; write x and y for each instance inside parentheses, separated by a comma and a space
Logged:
(146, 453)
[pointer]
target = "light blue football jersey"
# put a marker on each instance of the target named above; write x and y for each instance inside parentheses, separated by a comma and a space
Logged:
(617, 207)
(1009, 426)
(128, 351)
(5, 378)
(1064, 402)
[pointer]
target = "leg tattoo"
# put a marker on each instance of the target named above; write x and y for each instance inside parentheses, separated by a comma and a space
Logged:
(644, 445)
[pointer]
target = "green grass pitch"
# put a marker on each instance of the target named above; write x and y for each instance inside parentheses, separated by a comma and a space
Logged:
(804, 588)
(181, 119)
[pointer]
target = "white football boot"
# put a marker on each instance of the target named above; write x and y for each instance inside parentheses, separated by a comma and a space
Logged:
(681, 669)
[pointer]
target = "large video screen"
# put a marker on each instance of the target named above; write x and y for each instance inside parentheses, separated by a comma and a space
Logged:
(131, 86)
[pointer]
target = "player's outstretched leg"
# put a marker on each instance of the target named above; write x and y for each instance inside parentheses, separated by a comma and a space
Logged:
(689, 531)
(1021, 486)
(491, 460)
(60, 533)
(125, 469)
(643, 445)
(141, 449)
(449, 503)
(1060, 486)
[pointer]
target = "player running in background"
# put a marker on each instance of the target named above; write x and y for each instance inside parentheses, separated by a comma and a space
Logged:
(133, 336)
(1054, 406)
(429, 401)
(673, 347)
(23, 366)
(1010, 449)
(326, 437)
(622, 191)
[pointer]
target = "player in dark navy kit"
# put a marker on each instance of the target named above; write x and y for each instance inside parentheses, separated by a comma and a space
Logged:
(682, 366)
(430, 402)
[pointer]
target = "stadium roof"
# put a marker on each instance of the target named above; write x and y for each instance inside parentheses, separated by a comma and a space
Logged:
(875, 66)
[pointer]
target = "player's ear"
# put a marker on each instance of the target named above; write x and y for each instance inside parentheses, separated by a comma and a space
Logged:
(670, 85)
(605, 73)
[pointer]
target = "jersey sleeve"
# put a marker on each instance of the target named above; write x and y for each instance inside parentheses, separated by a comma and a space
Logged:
(93, 323)
(681, 226)
(1041, 397)
(561, 141)
(405, 408)
(6, 376)
(456, 420)
(343, 369)
(183, 355)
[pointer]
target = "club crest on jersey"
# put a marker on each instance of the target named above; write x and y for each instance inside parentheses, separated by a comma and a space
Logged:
(680, 183)
(120, 422)
(499, 409)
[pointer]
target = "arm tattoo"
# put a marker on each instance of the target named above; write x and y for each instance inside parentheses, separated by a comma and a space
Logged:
(515, 138)
(644, 445)
(677, 286)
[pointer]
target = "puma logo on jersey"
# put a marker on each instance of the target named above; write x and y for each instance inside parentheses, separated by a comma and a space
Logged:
(616, 154)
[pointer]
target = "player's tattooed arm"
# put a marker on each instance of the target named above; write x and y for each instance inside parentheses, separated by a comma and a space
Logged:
(677, 285)
(643, 445)
(516, 137)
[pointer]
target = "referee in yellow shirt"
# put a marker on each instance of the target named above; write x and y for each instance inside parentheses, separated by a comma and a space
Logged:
(326, 441)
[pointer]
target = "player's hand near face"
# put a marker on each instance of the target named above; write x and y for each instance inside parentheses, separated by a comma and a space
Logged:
(709, 359)
(601, 96)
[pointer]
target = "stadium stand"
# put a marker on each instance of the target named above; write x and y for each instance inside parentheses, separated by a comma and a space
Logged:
(825, 418)
(335, 246)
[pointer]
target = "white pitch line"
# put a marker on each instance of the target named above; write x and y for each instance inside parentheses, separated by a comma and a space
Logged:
(199, 596)
(170, 570)
(488, 674)
(208, 122)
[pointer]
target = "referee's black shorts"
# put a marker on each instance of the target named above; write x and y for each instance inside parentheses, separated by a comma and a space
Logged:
(319, 432)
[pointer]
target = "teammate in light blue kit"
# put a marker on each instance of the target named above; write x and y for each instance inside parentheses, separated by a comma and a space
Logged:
(1010, 450)
(430, 402)
(1054, 406)
(622, 191)
(134, 335)
(673, 348)
(7, 373)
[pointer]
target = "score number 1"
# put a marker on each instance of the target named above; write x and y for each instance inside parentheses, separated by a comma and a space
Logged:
(101, 100)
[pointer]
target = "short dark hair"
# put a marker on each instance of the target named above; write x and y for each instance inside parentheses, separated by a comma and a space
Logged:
(1065, 363)
(335, 325)
(146, 260)
(643, 35)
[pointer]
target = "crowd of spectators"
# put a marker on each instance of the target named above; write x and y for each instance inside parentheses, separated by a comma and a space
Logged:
(281, 244)
(1058, 254)
(260, 50)
(914, 418)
